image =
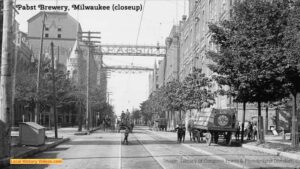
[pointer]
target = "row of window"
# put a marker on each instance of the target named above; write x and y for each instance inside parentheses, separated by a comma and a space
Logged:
(58, 29)
(47, 35)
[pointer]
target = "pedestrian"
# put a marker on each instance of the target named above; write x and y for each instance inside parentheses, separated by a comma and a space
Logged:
(255, 132)
(250, 130)
(237, 133)
(179, 133)
(190, 130)
(183, 133)
(132, 125)
(126, 134)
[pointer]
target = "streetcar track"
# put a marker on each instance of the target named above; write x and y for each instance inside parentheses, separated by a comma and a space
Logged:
(188, 156)
(182, 155)
(219, 156)
(140, 143)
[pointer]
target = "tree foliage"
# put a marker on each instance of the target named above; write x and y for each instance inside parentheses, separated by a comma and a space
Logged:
(196, 91)
(193, 93)
(258, 54)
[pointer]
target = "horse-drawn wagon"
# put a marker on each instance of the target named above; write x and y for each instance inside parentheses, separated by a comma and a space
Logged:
(161, 124)
(125, 123)
(213, 123)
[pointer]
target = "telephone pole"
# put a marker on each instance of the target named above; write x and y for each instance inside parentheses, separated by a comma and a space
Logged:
(37, 110)
(54, 89)
(91, 40)
(5, 82)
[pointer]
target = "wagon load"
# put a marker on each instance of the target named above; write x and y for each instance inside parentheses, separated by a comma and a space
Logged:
(215, 119)
(214, 122)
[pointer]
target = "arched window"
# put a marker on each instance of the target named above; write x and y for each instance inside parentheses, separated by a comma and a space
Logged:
(75, 75)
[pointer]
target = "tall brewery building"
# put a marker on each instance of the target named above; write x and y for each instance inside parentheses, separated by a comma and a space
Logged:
(62, 29)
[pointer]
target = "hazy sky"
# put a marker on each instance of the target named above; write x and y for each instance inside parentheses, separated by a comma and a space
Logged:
(121, 27)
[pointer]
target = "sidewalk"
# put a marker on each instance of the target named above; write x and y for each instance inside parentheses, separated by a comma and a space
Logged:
(19, 151)
(273, 145)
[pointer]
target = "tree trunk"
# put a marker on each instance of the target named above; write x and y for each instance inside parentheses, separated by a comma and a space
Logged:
(295, 133)
(260, 126)
(180, 119)
(243, 122)
(79, 117)
(266, 120)
(277, 119)
(5, 83)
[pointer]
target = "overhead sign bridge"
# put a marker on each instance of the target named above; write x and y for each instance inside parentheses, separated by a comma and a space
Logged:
(127, 68)
(133, 50)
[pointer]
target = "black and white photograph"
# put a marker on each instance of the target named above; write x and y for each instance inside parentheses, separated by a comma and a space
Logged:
(150, 84)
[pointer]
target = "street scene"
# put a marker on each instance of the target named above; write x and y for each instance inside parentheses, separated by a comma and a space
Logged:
(148, 149)
(150, 84)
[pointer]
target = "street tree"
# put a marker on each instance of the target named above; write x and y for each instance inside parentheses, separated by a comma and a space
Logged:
(135, 115)
(173, 97)
(196, 91)
(290, 65)
(146, 111)
(248, 54)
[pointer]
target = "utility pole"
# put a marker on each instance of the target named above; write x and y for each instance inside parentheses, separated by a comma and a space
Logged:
(91, 40)
(14, 62)
(37, 113)
(5, 82)
(54, 90)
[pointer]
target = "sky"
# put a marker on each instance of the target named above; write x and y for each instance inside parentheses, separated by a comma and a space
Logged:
(127, 90)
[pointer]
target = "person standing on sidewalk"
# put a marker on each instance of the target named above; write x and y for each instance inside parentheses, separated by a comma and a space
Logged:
(237, 133)
(250, 130)
(254, 131)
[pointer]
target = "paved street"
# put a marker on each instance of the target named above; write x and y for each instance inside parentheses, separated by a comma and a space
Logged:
(153, 150)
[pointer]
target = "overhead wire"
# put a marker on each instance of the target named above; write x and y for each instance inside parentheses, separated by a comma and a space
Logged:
(139, 29)
(136, 42)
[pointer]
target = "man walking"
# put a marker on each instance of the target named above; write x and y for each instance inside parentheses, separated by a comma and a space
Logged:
(126, 136)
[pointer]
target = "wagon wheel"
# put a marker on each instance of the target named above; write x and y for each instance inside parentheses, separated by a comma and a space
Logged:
(228, 138)
(208, 138)
(216, 137)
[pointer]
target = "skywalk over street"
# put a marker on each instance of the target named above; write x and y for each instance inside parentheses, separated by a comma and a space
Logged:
(154, 84)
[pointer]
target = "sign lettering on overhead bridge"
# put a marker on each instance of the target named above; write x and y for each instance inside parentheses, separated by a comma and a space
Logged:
(133, 50)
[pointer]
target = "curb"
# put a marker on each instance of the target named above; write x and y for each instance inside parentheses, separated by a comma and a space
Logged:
(260, 149)
(5, 162)
(87, 132)
(272, 152)
(290, 155)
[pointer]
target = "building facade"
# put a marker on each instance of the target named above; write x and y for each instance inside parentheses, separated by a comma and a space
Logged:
(187, 46)
(60, 28)
(196, 39)
(172, 55)
(63, 30)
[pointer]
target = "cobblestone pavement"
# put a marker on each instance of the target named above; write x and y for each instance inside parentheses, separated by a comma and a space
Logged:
(153, 150)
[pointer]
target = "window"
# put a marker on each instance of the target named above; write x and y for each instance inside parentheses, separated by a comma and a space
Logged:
(223, 5)
(59, 29)
(59, 36)
(210, 9)
(46, 28)
(46, 35)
